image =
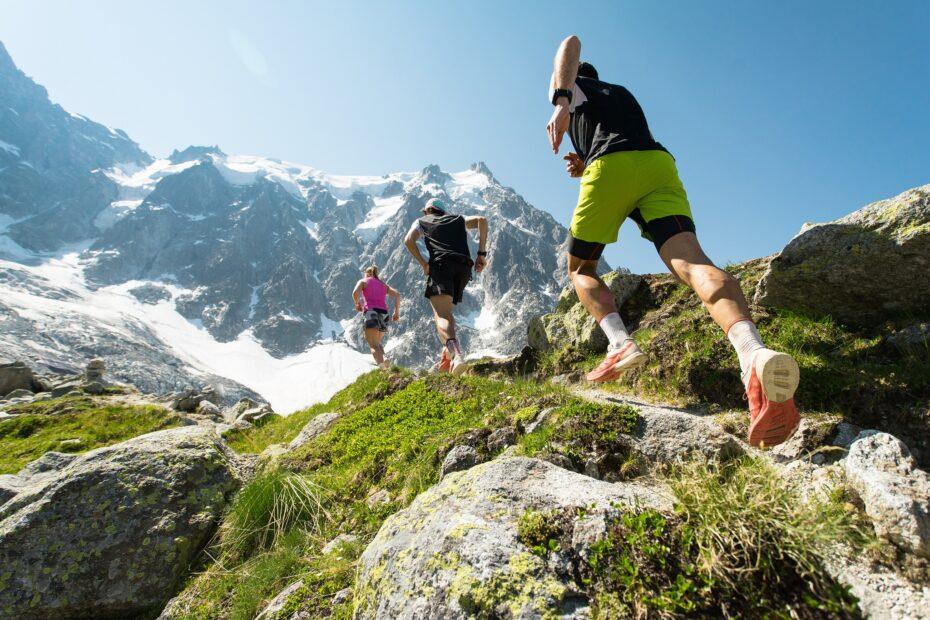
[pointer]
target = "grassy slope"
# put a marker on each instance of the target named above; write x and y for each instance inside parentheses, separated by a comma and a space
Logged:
(391, 435)
(83, 423)
(853, 373)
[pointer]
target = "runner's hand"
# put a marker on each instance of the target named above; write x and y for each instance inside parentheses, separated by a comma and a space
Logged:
(425, 267)
(574, 165)
(396, 316)
(358, 306)
(557, 126)
(480, 263)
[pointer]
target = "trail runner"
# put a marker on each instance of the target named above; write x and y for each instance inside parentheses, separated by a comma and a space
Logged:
(625, 173)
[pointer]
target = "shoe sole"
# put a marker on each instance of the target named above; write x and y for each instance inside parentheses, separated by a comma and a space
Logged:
(779, 375)
(458, 370)
(627, 363)
(776, 425)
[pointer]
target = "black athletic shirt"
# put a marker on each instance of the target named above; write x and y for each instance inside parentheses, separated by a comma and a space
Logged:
(606, 118)
(445, 236)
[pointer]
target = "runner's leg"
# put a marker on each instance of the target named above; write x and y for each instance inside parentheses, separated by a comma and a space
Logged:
(442, 313)
(717, 289)
(592, 292)
(373, 336)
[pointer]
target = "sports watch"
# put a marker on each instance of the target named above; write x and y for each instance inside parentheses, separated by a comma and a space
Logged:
(561, 92)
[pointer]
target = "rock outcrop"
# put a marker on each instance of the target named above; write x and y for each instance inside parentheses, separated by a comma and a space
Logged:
(313, 429)
(868, 266)
(110, 533)
(571, 325)
(455, 551)
(895, 492)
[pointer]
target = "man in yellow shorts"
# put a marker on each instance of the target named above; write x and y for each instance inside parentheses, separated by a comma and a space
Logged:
(625, 173)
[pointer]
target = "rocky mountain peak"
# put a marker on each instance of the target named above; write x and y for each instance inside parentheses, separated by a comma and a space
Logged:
(194, 152)
(482, 168)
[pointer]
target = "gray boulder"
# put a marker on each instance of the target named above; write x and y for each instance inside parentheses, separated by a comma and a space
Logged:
(341, 539)
(15, 376)
(895, 492)
(274, 607)
(63, 389)
(459, 458)
(94, 371)
(111, 533)
(571, 325)
(868, 266)
(664, 436)
(20, 393)
(501, 438)
(210, 410)
(313, 429)
(454, 553)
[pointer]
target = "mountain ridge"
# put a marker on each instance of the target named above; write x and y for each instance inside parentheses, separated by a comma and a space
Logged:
(244, 248)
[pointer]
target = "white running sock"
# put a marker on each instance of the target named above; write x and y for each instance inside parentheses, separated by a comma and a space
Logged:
(616, 332)
(745, 338)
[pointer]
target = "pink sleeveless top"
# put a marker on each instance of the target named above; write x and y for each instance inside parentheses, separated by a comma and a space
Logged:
(375, 294)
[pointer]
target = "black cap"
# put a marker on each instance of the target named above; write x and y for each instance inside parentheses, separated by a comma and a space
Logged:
(586, 69)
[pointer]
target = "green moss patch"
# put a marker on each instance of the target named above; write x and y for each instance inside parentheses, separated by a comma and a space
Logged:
(74, 424)
(583, 432)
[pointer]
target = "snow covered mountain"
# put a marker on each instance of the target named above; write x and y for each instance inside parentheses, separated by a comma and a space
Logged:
(234, 270)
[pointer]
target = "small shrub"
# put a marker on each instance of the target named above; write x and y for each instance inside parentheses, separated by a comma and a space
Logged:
(540, 531)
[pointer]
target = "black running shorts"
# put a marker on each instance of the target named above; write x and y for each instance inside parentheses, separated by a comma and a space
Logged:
(448, 277)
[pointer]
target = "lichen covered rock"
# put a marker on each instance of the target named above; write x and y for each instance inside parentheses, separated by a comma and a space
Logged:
(571, 325)
(110, 533)
(868, 266)
(895, 492)
(455, 551)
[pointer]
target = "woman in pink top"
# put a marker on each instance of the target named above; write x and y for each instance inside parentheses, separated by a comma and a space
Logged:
(370, 296)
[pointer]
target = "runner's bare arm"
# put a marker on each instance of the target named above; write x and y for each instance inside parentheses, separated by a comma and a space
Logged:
(357, 294)
(396, 296)
(481, 223)
(411, 242)
(564, 72)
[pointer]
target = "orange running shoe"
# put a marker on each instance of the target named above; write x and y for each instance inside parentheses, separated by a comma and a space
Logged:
(445, 364)
(773, 416)
(617, 362)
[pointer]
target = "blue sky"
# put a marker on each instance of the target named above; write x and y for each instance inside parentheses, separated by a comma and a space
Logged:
(778, 113)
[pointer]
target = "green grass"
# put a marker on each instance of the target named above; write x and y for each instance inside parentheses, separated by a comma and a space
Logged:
(582, 431)
(283, 429)
(391, 434)
(852, 372)
(740, 543)
(89, 423)
(269, 508)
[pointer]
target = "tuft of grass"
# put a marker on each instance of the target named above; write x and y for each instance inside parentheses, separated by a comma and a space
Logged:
(86, 426)
(581, 431)
(643, 568)
(740, 543)
(269, 508)
(755, 538)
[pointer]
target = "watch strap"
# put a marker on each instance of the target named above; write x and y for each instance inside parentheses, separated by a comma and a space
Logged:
(561, 92)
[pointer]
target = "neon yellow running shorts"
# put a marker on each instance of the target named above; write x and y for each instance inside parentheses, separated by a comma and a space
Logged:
(642, 185)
